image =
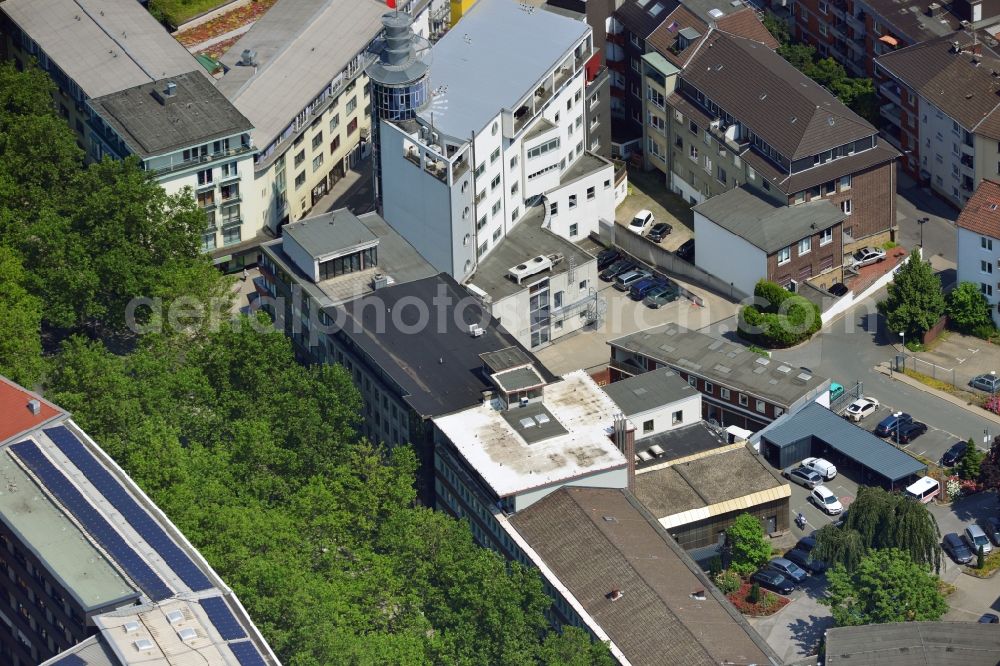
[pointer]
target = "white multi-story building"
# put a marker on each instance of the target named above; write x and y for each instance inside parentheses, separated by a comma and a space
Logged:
(504, 132)
(187, 134)
(979, 243)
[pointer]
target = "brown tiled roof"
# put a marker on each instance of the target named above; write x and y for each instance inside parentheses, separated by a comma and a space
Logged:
(765, 92)
(637, 18)
(745, 23)
(664, 38)
(954, 82)
(767, 170)
(595, 540)
(982, 213)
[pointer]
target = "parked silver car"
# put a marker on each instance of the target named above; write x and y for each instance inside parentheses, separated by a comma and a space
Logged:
(867, 256)
(989, 382)
(803, 476)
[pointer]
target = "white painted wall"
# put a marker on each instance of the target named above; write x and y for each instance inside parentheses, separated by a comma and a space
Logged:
(971, 255)
(588, 210)
(717, 249)
(941, 156)
(680, 186)
(662, 418)
(615, 478)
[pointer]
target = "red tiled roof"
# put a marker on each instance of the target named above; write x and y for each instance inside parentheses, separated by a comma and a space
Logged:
(982, 213)
(15, 416)
(745, 23)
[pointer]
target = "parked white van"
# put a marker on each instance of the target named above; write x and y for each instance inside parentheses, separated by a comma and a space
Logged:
(824, 468)
(923, 490)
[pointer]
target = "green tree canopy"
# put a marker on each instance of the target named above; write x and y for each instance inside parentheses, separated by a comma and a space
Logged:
(747, 544)
(20, 324)
(258, 462)
(969, 466)
(886, 586)
(989, 467)
(915, 301)
(968, 309)
(778, 318)
(878, 519)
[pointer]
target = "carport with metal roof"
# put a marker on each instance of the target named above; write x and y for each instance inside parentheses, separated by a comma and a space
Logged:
(816, 431)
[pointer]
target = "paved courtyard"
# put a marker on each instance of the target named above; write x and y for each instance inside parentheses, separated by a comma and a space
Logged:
(649, 192)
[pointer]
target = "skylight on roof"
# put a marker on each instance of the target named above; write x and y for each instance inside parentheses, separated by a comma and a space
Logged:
(716, 13)
(639, 391)
(655, 10)
(527, 422)
(642, 3)
(542, 419)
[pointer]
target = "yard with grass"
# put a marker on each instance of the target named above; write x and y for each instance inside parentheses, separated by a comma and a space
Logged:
(176, 12)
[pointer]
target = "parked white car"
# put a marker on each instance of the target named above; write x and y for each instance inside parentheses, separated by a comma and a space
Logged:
(642, 222)
(825, 500)
(823, 467)
(867, 256)
(861, 408)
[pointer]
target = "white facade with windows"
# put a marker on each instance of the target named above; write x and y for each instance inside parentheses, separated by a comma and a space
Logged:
(947, 154)
(979, 263)
(505, 130)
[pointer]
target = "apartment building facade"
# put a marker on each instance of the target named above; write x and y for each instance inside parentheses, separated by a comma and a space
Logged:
(92, 569)
(937, 101)
(465, 171)
(738, 387)
(784, 136)
(979, 243)
(855, 32)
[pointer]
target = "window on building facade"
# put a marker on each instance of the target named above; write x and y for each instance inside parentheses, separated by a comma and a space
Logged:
(784, 255)
(805, 245)
(496, 234)
(986, 243)
(351, 104)
(317, 162)
(482, 249)
(317, 140)
(300, 180)
(693, 381)
(205, 177)
(724, 393)
(572, 201)
(352, 126)
(335, 144)
(554, 208)
(987, 289)
(300, 158)
(494, 156)
(826, 236)
(986, 266)
(744, 401)
(845, 206)
(334, 121)
(574, 230)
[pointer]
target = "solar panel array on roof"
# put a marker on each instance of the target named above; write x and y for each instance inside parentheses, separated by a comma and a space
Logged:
(247, 654)
(223, 619)
(137, 517)
(92, 521)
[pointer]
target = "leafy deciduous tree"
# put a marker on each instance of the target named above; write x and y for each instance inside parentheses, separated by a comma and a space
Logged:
(915, 301)
(20, 324)
(886, 586)
(968, 309)
(747, 544)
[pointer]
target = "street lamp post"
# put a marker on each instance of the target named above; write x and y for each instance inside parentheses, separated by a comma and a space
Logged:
(898, 423)
(922, 221)
(902, 337)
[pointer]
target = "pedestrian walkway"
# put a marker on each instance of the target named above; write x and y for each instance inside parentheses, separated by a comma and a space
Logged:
(354, 191)
(958, 402)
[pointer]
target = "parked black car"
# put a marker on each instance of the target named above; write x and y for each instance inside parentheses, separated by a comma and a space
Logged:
(989, 618)
(804, 560)
(838, 289)
(607, 257)
(774, 581)
(806, 544)
(616, 269)
(952, 455)
(889, 424)
(991, 526)
(910, 431)
(686, 251)
(659, 231)
(955, 546)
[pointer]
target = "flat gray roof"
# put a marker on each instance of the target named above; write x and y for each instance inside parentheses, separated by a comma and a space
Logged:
(910, 643)
(681, 442)
(103, 45)
(330, 232)
(56, 541)
(765, 224)
(649, 390)
(526, 240)
(587, 164)
(152, 124)
(396, 259)
(533, 423)
(724, 363)
(816, 421)
(496, 58)
(518, 379)
(505, 359)
(301, 46)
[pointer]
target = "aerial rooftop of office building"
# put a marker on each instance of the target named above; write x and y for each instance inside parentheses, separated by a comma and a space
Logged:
(475, 83)
(630, 583)
(565, 435)
(724, 363)
(147, 594)
(169, 114)
(103, 45)
(299, 47)
(308, 252)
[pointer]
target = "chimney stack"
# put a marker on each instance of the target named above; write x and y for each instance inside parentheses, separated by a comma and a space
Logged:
(35, 407)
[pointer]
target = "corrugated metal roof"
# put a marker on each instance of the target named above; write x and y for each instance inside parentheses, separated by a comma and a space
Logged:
(856, 443)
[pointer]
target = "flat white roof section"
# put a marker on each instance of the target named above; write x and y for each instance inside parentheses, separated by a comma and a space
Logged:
(509, 463)
(495, 56)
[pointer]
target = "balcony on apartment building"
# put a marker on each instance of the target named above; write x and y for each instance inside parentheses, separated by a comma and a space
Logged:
(730, 135)
(892, 113)
(856, 22)
(890, 91)
(838, 8)
(967, 162)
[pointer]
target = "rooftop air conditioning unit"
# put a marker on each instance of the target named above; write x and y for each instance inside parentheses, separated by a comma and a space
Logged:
(532, 266)
(475, 330)
(35, 407)
(523, 402)
(380, 281)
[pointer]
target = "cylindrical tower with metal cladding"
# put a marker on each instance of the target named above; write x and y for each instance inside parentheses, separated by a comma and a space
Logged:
(399, 80)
